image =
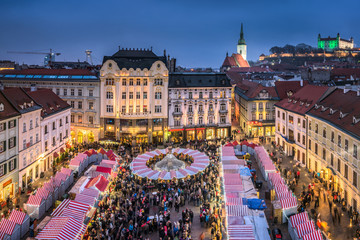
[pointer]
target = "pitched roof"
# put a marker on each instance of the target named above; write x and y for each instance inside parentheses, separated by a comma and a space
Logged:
(20, 99)
(49, 101)
(193, 79)
(235, 60)
(283, 88)
(340, 110)
(9, 110)
(135, 58)
(303, 100)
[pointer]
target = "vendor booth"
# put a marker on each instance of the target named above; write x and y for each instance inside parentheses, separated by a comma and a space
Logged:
(35, 207)
(22, 219)
(46, 195)
(11, 229)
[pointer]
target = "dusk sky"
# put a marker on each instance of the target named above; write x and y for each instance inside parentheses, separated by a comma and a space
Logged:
(198, 33)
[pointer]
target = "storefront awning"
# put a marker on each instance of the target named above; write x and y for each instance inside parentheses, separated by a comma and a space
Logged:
(332, 170)
(176, 130)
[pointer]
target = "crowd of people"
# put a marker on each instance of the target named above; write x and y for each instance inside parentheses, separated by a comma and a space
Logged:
(139, 208)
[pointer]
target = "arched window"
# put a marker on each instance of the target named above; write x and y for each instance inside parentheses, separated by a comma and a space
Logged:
(177, 108)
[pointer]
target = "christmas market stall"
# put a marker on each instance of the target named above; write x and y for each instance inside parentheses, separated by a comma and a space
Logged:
(35, 207)
(11, 229)
(22, 219)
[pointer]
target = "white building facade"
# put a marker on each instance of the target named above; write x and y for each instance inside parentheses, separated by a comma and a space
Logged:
(79, 87)
(199, 106)
(134, 93)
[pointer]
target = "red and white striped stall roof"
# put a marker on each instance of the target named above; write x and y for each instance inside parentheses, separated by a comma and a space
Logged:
(234, 188)
(64, 204)
(285, 194)
(232, 220)
(62, 228)
(305, 228)
(91, 192)
(34, 200)
(234, 201)
(78, 206)
(85, 199)
(232, 179)
(313, 236)
(78, 216)
(61, 176)
(2, 235)
(42, 193)
(7, 226)
(241, 232)
(49, 186)
(237, 210)
(288, 202)
(17, 217)
(299, 219)
(66, 171)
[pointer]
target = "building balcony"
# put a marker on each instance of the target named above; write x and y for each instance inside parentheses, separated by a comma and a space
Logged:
(135, 114)
(332, 146)
(211, 112)
(177, 113)
(222, 111)
(190, 113)
(200, 112)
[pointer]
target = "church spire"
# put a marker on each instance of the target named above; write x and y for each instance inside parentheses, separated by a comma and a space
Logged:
(241, 40)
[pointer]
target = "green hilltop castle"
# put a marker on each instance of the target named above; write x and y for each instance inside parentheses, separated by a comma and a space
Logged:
(330, 43)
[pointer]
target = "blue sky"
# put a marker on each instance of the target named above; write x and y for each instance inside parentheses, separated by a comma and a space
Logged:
(198, 33)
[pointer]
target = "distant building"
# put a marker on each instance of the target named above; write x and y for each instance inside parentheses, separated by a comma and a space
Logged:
(134, 93)
(199, 106)
(236, 59)
(330, 43)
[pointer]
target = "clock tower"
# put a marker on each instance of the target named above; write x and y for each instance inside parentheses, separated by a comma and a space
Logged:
(241, 46)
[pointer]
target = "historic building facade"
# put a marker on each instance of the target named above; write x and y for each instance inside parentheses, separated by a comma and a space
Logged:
(9, 135)
(79, 87)
(330, 43)
(134, 93)
(333, 143)
(199, 106)
(29, 141)
(291, 124)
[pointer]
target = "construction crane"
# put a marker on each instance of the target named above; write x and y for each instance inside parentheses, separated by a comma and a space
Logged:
(49, 56)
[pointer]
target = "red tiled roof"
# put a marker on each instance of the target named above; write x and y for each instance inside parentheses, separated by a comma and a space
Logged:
(45, 71)
(9, 110)
(235, 60)
(49, 101)
(255, 69)
(336, 73)
(284, 87)
(19, 98)
(304, 99)
(346, 103)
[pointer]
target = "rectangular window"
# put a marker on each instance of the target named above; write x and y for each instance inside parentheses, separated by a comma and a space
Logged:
(210, 94)
(261, 106)
(332, 159)
(91, 93)
(138, 82)
(46, 146)
(339, 165)
(267, 105)
(158, 108)
(190, 95)
(131, 95)
(278, 114)
(131, 82)
(123, 95)
(316, 128)
(80, 119)
(24, 143)
(324, 154)
(299, 124)
(283, 116)
(316, 148)
(200, 95)
(298, 137)
(355, 179)
(66, 119)
(260, 116)
(346, 171)
(339, 140)
(79, 92)
(346, 145)
(53, 125)
(91, 119)
(222, 119)
(2, 127)
(145, 95)
(253, 106)
(253, 116)
(2, 167)
(310, 125)
(72, 104)
(145, 109)
(91, 105)
(109, 81)
(58, 91)
(80, 105)
(304, 124)
(324, 132)
(31, 140)
(145, 82)
(355, 151)
(12, 142)
(137, 95)
(124, 82)
(72, 92)
(109, 108)
(131, 109)
(12, 165)
(291, 119)
(53, 141)
(332, 136)
(65, 92)
(12, 123)
(61, 138)
(72, 118)
(109, 95)
(37, 137)
(157, 95)
(137, 109)
(303, 140)
(267, 116)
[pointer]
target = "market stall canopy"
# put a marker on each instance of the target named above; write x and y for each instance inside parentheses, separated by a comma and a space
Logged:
(34, 200)
(241, 232)
(100, 183)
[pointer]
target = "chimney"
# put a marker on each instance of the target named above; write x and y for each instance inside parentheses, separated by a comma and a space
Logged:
(1, 86)
(33, 87)
(301, 83)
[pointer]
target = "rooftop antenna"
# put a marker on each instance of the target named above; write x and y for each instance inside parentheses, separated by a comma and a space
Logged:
(88, 56)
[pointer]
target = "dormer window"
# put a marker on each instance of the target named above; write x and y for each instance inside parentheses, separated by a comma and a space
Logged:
(1, 107)
(342, 115)
(307, 104)
(317, 106)
(323, 109)
(355, 120)
(332, 111)
(301, 103)
(289, 100)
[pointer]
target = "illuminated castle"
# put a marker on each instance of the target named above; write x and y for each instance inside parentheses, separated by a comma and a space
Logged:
(335, 43)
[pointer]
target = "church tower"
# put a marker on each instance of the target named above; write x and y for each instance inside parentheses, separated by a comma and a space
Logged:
(241, 46)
